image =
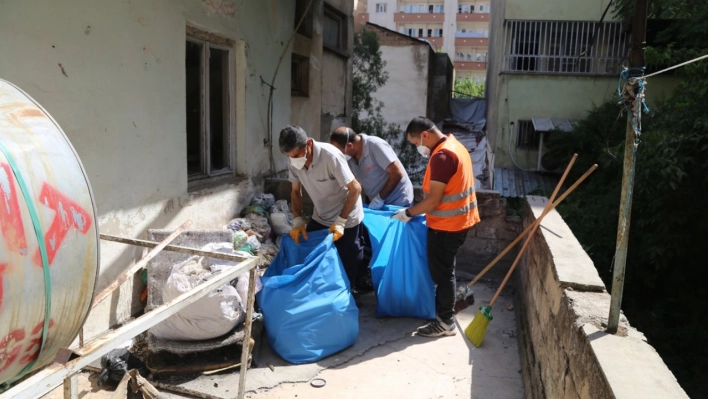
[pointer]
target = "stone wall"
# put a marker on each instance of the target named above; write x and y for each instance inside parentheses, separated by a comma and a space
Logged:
(563, 307)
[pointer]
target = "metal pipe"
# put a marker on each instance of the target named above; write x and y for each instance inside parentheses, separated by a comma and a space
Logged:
(138, 265)
(175, 248)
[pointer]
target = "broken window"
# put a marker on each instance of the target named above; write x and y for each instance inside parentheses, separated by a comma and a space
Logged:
(300, 76)
(208, 108)
(527, 137)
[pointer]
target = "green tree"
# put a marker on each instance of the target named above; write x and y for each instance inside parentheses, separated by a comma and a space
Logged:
(369, 75)
(466, 87)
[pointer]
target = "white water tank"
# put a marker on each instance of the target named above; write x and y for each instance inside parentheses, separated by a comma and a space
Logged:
(45, 197)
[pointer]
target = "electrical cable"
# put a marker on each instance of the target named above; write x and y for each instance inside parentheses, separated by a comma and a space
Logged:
(269, 124)
(677, 66)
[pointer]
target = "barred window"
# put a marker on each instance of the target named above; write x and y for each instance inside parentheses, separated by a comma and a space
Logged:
(527, 135)
(564, 47)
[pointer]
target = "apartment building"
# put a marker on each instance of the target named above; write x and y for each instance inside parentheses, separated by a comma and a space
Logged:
(456, 27)
(553, 60)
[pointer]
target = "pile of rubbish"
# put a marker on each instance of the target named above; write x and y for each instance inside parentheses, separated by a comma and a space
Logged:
(260, 226)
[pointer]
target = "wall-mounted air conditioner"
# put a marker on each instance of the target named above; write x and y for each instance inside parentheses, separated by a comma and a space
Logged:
(545, 127)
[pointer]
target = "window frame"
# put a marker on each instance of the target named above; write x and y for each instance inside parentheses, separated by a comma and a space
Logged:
(555, 47)
(381, 8)
(336, 15)
(208, 42)
(531, 138)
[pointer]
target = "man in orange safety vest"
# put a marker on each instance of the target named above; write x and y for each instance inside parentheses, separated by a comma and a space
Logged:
(450, 208)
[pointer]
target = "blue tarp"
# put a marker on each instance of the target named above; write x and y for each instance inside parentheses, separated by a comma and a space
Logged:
(399, 266)
(308, 310)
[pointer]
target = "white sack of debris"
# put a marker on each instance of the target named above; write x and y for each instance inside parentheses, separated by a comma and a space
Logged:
(212, 316)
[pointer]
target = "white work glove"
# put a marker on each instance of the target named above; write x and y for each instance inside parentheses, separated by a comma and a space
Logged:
(338, 228)
(401, 215)
(298, 229)
(376, 203)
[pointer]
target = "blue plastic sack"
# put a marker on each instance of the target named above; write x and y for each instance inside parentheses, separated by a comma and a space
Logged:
(308, 310)
(399, 265)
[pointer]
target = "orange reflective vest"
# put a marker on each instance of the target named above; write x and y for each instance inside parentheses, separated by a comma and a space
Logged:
(458, 209)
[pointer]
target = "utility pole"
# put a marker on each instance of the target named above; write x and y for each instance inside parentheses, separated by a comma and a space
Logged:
(636, 60)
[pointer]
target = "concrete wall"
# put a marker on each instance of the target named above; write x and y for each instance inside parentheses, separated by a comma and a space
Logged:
(524, 96)
(405, 94)
(113, 75)
(563, 308)
(556, 10)
(328, 105)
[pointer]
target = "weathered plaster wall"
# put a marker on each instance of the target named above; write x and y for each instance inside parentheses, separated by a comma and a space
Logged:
(527, 96)
(329, 102)
(557, 10)
(405, 93)
(563, 308)
(112, 75)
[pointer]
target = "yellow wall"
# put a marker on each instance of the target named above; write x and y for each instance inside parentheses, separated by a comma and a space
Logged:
(528, 96)
(556, 10)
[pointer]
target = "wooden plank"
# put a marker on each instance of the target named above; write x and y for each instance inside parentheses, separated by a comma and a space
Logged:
(71, 387)
(52, 376)
(247, 333)
(175, 248)
(139, 264)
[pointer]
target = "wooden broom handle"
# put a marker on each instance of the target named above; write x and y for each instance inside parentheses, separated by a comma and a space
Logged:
(533, 230)
(517, 239)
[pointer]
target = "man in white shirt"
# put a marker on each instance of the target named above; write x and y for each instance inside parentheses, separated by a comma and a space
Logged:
(323, 171)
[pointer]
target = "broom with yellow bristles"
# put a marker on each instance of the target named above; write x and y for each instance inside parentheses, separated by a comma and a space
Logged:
(478, 327)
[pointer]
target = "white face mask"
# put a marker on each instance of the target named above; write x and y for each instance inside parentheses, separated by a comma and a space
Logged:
(423, 150)
(299, 163)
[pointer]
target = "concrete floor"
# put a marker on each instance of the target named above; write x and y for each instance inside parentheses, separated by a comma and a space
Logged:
(385, 362)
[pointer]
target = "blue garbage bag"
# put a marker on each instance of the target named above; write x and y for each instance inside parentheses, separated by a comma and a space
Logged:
(399, 265)
(308, 310)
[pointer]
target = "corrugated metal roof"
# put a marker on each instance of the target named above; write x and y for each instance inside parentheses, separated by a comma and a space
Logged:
(514, 183)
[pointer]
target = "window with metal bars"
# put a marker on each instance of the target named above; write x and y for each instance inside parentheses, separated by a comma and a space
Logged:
(526, 135)
(564, 47)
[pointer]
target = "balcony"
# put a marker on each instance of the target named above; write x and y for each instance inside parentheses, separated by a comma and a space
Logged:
(418, 17)
(470, 65)
(472, 17)
(471, 39)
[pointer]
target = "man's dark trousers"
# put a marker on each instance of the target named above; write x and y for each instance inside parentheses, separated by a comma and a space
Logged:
(442, 249)
(350, 248)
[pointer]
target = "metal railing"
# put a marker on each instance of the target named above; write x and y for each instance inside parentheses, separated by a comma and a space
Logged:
(564, 47)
